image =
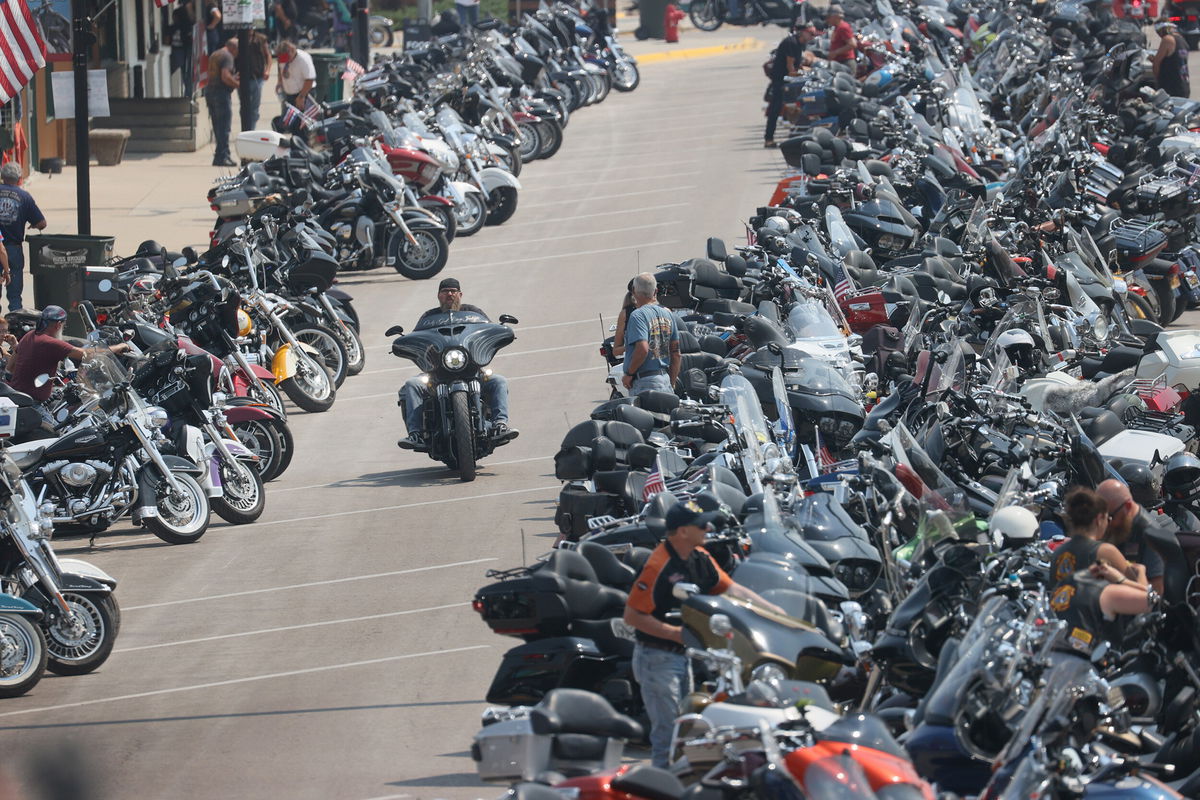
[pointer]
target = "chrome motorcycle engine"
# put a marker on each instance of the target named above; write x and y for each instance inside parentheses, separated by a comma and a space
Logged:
(78, 474)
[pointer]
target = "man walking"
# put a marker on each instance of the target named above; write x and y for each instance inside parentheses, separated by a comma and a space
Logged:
(218, 95)
(788, 57)
(297, 75)
(250, 81)
(842, 44)
(17, 211)
(651, 342)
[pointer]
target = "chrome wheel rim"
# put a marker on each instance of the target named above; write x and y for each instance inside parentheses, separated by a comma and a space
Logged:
(76, 638)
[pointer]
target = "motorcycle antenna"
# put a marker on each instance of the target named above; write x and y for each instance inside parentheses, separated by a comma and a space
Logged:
(523, 561)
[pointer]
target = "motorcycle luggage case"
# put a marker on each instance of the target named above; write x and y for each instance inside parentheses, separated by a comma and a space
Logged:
(514, 608)
(261, 145)
(528, 671)
(1168, 196)
(1134, 241)
(510, 751)
(577, 505)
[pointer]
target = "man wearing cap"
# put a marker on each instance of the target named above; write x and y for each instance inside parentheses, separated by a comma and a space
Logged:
(17, 211)
(788, 58)
(494, 387)
(659, 661)
(1170, 61)
(842, 44)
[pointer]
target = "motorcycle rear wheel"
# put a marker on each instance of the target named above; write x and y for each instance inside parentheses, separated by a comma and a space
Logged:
(69, 653)
(22, 655)
(183, 519)
(464, 437)
(626, 76)
(243, 497)
(705, 15)
(422, 260)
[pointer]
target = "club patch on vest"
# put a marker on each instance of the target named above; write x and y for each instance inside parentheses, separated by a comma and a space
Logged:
(1066, 566)
(1061, 599)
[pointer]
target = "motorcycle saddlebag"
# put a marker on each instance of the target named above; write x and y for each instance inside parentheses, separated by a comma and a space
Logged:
(513, 607)
(576, 506)
(573, 463)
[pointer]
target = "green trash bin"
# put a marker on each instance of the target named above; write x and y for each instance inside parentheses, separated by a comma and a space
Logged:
(329, 67)
(651, 19)
(56, 262)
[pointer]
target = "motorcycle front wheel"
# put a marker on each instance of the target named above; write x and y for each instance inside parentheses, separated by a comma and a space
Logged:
(503, 205)
(464, 437)
(243, 498)
(705, 15)
(22, 655)
(182, 516)
(626, 76)
(356, 354)
(312, 386)
(551, 134)
(261, 439)
(471, 214)
(331, 353)
(80, 645)
(531, 143)
(423, 258)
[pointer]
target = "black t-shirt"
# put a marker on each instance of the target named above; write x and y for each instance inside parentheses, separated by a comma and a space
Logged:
(790, 46)
(463, 307)
(652, 591)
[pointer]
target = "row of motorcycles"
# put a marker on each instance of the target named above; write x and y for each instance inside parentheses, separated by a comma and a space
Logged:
(430, 146)
(949, 313)
(188, 418)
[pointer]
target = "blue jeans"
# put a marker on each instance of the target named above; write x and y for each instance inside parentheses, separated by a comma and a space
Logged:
(414, 391)
(650, 383)
(665, 678)
(16, 266)
(250, 96)
(467, 15)
(220, 111)
(733, 9)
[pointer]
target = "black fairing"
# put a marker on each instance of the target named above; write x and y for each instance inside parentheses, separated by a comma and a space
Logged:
(478, 336)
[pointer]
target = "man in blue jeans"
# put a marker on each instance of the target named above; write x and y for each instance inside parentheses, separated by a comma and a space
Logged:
(494, 388)
(218, 94)
(660, 664)
(17, 211)
(651, 342)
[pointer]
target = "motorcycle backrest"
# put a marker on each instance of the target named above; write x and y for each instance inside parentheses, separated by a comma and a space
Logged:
(716, 249)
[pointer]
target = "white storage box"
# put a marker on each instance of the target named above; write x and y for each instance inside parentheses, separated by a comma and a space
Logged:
(261, 145)
(509, 751)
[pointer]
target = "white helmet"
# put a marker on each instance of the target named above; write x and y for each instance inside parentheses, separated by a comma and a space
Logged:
(779, 224)
(1013, 524)
(1014, 336)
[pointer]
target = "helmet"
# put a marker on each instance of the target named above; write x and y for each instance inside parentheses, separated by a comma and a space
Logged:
(1062, 39)
(149, 248)
(792, 216)
(1181, 474)
(1013, 525)
(1019, 347)
(1142, 485)
(778, 224)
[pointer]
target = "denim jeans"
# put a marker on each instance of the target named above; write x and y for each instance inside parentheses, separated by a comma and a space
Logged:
(665, 678)
(733, 9)
(16, 267)
(414, 392)
(250, 96)
(650, 383)
(774, 107)
(467, 15)
(220, 111)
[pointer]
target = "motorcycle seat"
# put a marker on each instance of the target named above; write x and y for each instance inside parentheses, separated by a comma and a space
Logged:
(609, 569)
(623, 435)
(726, 306)
(701, 361)
(579, 711)
(606, 410)
(715, 345)
(600, 631)
(625, 483)
(24, 459)
(1100, 424)
(688, 343)
(583, 434)
(641, 456)
(577, 747)
(639, 418)
(650, 783)
(569, 574)
(21, 399)
(659, 403)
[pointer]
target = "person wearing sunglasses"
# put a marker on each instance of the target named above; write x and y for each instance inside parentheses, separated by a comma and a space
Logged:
(1086, 515)
(1128, 522)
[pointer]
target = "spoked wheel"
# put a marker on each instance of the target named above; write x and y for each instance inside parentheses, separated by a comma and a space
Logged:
(552, 137)
(626, 76)
(330, 350)
(22, 655)
(706, 14)
(464, 437)
(262, 440)
(603, 86)
(243, 498)
(531, 143)
(311, 387)
(1137, 307)
(82, 642)
(471, 213)
(503, 205)
(380, 35)
(423, 257)
(270, 395)
(511, 161)
(356, 354)
(446, 216)
(182, 515)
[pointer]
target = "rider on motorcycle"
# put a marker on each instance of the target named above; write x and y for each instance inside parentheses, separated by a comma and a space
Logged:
(415, 390)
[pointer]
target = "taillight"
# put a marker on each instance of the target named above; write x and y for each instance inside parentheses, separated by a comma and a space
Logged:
(1191, 17)
(1176, 19)
(477, 605)
(1174, 271)
(215, 207)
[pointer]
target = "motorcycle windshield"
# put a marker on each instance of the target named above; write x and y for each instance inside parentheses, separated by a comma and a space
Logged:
(785, 426)
(739, 395)
(450, 319)
(836, 778)
(864, 730)
(100, 372)
(808, 320)
(1083, 304)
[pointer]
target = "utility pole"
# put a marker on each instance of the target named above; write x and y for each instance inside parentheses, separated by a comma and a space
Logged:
(81, 27)
(360, 49)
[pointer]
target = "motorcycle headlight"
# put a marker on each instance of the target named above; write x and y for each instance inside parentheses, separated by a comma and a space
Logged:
(245, 324)
(157, 416)
(454, 359)
(768, 673)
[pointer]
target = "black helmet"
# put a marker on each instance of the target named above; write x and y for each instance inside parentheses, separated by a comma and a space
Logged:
(1142, 485)
(1062, 39)
(1181, 474)
(149, 248)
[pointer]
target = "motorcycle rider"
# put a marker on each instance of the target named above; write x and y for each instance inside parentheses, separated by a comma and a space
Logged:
(660, 663)
(494, 387)
(652, 357)
(1086, 515)
(1127, 525)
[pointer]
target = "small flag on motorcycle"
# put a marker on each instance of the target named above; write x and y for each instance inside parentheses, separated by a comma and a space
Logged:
(292, 114)
(654, 482)
(353, 70)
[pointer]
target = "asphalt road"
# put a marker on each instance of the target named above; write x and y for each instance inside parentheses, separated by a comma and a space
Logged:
(330, 651)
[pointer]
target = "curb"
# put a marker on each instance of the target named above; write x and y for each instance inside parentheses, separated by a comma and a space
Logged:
(749, 43)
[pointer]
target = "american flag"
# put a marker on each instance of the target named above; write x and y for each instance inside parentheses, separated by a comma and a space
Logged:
(654, 482)
(844, 286)
(22, 51)
(353, 70)
(200, 54)
(312, 109)
(292, 114)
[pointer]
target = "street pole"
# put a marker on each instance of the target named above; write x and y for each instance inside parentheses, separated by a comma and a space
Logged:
(425, 10)
(361, 51)
(82, 29)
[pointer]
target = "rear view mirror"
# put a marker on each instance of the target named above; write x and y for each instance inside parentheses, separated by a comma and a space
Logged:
(716, 249)
(395, 330)
(508, 319)
(41, 380)
(170, 273)
(179, 262)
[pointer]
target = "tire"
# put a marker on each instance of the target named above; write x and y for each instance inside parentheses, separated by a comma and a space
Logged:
(262, 439)
(1136, 307)
(287, 445)
(1181, 305)
(464, 437)
(330, 350)
(80, 651)
(311, 387)
(504, 205)
(180, 520)
(705, 15)
(471, 214)
(243, 499)
(552, 137)
(512, 161)
(1166, 301)
(603, 87)
(380, 35)
(351, 312)
(626, 76)
(271, 396)
(22, 655)
(531, 142)
(445, 215)
(424, 259)
(356, 354)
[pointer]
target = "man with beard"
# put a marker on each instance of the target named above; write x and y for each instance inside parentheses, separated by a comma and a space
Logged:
(494, 387)
(1128, 522)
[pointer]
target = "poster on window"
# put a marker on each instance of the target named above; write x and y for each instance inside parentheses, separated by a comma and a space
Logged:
(243, 13)
(62, 88)
(53, 18)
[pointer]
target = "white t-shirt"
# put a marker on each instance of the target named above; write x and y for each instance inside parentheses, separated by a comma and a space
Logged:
(298, 70)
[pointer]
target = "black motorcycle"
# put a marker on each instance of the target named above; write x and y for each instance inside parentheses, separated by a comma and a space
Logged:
(453, 349)
(708, 15)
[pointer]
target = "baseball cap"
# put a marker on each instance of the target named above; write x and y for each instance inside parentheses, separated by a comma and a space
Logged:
(835, 9)
(688, 512)
(449, 283)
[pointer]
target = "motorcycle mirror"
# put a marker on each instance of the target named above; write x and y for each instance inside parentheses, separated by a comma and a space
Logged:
(170, 273)
(508, 319)
(397, 330)
(179, 262)
(682, 591)
(224, 262)
(239, 231)
(720, 625)
(41, 380)
(190, 254)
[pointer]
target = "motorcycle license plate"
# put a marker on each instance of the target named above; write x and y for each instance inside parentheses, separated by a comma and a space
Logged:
(1192, 280)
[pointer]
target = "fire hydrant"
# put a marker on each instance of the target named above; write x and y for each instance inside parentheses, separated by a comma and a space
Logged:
(671, 21)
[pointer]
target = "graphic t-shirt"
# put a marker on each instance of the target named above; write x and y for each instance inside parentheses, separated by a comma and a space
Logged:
(17, 209)
(654, 325)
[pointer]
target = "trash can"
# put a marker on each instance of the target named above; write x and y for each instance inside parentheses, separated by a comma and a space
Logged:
(651, 15)
(57, 263)
(330, 67)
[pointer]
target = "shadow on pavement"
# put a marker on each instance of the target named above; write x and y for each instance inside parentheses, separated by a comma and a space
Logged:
(419, 476)
(453, 779)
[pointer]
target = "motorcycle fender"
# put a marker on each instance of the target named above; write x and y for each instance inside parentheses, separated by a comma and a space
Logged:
(15, 605)
(235, 447)
(468, 188)
(70, 582)
(338, 294)
(435, 201)
(420, 218)
(246, 413)
(178, 464)
(283, 366)
(494, 177)
(496, 149)
(524, 116)
(80, 567)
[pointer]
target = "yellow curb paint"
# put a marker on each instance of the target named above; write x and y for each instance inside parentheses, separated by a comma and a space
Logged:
(748, 43)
